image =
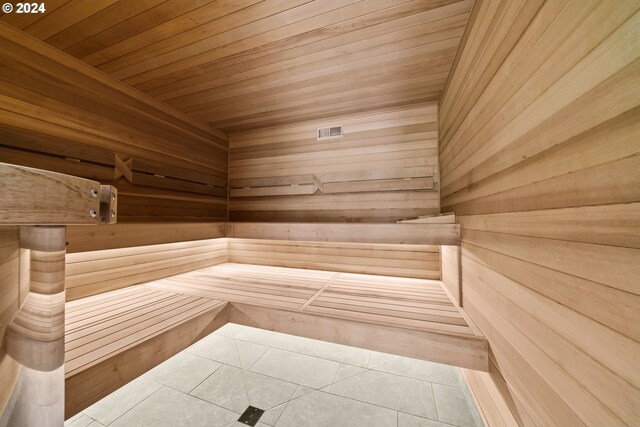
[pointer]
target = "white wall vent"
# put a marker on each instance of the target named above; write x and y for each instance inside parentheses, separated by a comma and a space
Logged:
(331, 132)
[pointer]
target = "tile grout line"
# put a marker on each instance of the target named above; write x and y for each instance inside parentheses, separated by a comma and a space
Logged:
(244, 383)
(367, 369)
(350, 364)
(319, 390)
(429, 419)
(134, 406)
(206, 378)
(435, 403)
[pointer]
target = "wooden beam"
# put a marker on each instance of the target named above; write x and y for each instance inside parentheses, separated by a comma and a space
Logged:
(38, 197)
(108, 204)
(421, 234)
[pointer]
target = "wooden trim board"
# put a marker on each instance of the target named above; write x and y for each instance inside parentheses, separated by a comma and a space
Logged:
(418, 234)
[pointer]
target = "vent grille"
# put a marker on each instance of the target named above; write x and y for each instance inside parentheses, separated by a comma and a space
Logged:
(330, 132)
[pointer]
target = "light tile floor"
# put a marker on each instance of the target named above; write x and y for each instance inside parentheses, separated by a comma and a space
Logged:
(297, 381)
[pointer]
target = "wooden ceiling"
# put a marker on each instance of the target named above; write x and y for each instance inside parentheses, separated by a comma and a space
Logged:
(244, 64)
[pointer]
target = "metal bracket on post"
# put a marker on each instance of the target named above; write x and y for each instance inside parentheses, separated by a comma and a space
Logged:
(108, 204)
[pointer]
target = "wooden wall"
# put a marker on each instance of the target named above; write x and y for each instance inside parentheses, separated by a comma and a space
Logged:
(94, 272)
(113, 236)
(539, 156)
(421, 261)
(60, 114)
(12, 294)
(384, 168)
(14, 287)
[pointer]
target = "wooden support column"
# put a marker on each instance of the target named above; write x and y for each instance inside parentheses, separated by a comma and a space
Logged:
(35, 338)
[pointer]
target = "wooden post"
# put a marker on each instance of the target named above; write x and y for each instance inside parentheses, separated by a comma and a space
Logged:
(35, 338)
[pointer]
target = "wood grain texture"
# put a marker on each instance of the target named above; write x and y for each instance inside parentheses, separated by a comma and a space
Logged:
(406, 234)
(113, 236)
(13, 292)
(60, 114)
(9, 277)
(539, 153)
(419, 261)
(132, 330)
(146, 328)
(411, 307)
(383, 168)
(94, 272)
(491, 395)
(40, 197)
(245, 64)
(34, 340)
(9, 373)
(450, 267)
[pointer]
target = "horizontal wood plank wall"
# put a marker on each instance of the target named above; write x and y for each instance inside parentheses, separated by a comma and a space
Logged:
(94, 272)
(491, 394)
(113, 236)
(539, 156)
(12, 295)
(420, 261)
(60, 114)
(384, 168)
(10, 300)
(405, 234)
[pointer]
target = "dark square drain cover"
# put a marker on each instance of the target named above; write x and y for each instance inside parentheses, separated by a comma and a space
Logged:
(251, 416)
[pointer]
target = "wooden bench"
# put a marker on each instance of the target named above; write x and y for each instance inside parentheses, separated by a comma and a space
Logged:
(114, 337)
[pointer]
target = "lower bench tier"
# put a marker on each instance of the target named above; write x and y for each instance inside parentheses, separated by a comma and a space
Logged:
(113, 338)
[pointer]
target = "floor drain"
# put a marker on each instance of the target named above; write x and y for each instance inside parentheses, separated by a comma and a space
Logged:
(251, 416)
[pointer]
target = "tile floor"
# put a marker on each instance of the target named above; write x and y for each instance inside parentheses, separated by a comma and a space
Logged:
(297, 381)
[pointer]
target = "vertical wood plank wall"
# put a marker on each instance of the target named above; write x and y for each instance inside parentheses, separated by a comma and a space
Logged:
(384, 168)
(539, 157)
(60, 114)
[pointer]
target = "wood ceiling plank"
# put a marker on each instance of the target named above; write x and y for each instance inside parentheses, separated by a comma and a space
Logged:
(60, 19)
(100, 21)
(247, 64)
(286, 32)
(153, 26)
(291, 96)
(288, 53)
(234, 26)
(23, 20)
(336, 64)
(357, 103)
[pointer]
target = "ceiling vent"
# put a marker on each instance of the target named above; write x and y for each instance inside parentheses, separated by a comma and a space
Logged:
(331, 132)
